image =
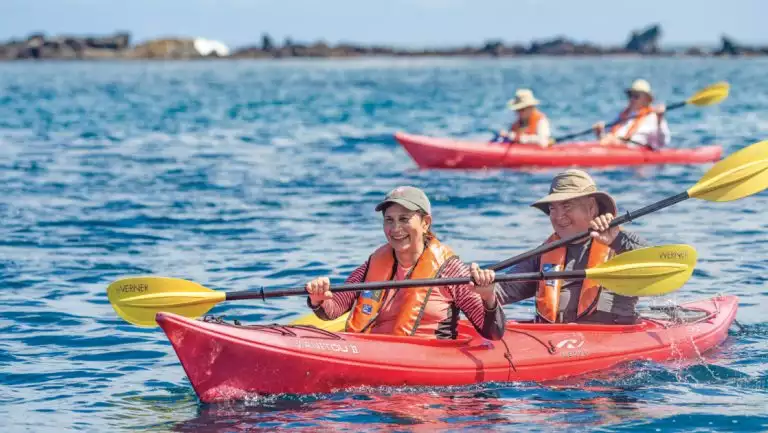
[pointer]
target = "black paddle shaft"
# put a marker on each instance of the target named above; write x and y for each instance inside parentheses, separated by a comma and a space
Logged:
(628, 217)
(381, 285)
(529, 276)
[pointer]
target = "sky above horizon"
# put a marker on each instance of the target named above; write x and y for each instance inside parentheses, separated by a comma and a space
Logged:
(407, 23)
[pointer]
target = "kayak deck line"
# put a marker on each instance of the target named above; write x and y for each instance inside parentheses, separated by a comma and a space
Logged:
(225, 361)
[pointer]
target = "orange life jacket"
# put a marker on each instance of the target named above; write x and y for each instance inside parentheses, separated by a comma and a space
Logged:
(548, 293)
(635, 122)
(531, 127)
(412, 301)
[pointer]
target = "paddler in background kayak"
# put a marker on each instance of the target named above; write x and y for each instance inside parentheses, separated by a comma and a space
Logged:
(412, 251)
(648, 129)
(574, 205)
(531, 126)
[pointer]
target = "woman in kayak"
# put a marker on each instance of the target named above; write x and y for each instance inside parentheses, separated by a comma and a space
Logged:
(575, 205)
(531, 126)
(412, 251)
(640, 123)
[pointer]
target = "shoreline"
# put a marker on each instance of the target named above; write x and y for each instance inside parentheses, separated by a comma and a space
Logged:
(371, 57)
(643, 43)
(414, 56)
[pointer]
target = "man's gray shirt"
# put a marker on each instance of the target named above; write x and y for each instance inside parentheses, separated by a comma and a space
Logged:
(576, 257)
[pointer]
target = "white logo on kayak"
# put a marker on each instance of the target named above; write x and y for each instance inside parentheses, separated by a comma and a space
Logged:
(570, 343)
(571, 346)
(330, 347)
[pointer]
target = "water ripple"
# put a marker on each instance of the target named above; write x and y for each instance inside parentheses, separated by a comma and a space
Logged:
(265, 174)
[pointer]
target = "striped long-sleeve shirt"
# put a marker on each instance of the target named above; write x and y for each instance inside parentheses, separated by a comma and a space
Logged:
(488, 323)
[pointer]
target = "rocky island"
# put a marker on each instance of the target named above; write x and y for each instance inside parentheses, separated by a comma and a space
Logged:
(645, 42)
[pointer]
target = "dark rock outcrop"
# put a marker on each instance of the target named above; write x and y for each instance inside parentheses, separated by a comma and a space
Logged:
(38, 46)
(645, 42)
(253, 53)
(694, 52)
(494, 48)
(266, 43)
(561, 46)
(117, 42)
(318, 49)
(729, 47)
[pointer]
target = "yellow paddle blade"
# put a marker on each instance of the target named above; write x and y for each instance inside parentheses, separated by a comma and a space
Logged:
(336, 325)
(740, 175)
(710, 95)
(646, 272)
(138, 299)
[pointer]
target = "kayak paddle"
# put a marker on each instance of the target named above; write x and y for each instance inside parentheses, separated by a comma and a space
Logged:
(740, 175)
(644, 272)
(710, 95)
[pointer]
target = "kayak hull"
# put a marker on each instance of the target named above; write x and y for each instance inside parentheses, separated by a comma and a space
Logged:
(443, 153)
(225, 362)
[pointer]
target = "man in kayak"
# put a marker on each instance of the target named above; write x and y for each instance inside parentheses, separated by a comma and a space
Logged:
(574, 205)
(412, 251)
(640, 123)
(531, 126)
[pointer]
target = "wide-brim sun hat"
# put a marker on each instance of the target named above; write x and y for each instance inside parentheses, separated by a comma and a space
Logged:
(523, 99)
(640, 86)
(572, 184)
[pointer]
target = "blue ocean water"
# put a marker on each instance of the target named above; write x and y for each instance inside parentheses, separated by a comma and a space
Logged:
(242, 174)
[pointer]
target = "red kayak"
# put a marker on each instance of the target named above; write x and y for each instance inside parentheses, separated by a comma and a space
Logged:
(226, 362)
(430, 152)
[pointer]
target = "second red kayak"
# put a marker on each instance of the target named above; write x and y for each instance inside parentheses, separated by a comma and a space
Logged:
(226, 362)
(431, 152)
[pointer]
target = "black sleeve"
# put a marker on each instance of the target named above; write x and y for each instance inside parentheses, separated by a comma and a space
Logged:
(509, 292)
(627, 241)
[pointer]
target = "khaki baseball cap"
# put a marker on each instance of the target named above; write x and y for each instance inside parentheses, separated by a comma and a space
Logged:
(410, 197)
(573, 184)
